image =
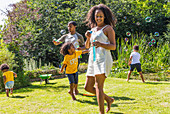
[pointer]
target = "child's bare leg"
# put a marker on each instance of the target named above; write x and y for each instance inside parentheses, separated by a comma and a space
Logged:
(128, 76)
(76, 90)
(89, 86)
(11, 91)
(71, 91)
(141, 75)
(7, 92)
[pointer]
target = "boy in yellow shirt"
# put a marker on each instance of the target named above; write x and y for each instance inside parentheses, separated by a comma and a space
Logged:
(70, 64)
(8, 77)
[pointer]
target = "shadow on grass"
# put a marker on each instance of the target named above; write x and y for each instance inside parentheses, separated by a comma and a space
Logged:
(18, 96)
(116, 113)
(122, 98)
(116, 98)
(155, 83)
(46, 87)
(94, 103)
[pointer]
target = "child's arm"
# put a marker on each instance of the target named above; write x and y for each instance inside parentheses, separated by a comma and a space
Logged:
(85, 51)
(4, 78)
(15, 75)
(62, 68)
(130, 60)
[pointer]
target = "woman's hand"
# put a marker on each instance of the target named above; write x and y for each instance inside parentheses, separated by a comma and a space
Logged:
(88, 34)
(97, 44)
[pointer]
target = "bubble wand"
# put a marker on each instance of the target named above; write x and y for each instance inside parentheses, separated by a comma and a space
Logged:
(94, 52)
(56, 40)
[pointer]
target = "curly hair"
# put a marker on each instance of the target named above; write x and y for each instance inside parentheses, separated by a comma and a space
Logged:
(64, 48)
(4, 66)
(110, 19)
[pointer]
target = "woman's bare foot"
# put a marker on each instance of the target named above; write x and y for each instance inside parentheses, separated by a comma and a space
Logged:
(109, 104)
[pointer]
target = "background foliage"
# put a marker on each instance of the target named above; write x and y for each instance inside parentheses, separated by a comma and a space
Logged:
(32, 24)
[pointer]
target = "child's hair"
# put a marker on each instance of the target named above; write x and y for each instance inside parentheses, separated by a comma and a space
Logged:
(4, 66)
(72, 22)
(64, 48)
(109, 19)
(136, 47)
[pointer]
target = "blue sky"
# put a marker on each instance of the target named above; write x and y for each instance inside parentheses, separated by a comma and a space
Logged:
(4, 4)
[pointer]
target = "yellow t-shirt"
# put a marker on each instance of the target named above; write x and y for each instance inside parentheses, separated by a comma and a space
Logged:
(72, 62)
(9, 76)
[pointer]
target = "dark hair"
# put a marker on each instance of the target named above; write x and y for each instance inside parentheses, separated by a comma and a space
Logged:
(72, 22)
(136, 47)
(64, 48)
(4, 66)
(110, 19)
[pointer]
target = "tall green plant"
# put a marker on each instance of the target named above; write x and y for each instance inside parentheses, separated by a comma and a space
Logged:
(153, 58)
(5, 57)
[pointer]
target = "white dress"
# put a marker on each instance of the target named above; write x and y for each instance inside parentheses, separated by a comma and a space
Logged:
(103, 62)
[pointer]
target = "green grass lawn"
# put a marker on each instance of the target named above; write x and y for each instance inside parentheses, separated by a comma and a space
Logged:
(130, 98)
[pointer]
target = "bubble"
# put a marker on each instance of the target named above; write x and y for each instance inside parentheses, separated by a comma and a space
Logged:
(150, 44)
(148, 19)
(156, 33)
(137, 23)
(128, 33)
(63, 31)
(153, 41)
(126, 39)
(125, 17)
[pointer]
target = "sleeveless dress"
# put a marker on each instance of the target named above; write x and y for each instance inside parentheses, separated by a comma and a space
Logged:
(103, 62)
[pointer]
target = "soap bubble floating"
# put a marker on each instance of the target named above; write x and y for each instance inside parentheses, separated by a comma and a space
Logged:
(125, 17)
(63, 31)
(156, 33)
(128, 33)
(150, 44)
(153, 41)
(137, 23)
(126, 39)
(148, 19)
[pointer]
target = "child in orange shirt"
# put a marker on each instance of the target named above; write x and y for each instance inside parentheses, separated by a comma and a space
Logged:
(70, 64)
(8, 77)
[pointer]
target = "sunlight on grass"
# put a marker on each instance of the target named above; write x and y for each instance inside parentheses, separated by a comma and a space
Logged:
(132, 98)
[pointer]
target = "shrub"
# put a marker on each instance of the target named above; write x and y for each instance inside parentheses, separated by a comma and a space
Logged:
(36, 73)
(5, 57)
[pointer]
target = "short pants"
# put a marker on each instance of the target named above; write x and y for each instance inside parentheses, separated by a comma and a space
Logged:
(9, 85)
(73, 78)
(137, 66)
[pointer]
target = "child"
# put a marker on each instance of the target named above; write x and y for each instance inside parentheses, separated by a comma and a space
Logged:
(135, 63)
(71, 64)
(8, 77)
(101, 20)
(73, 37)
